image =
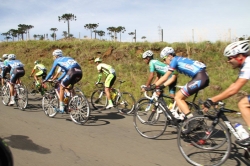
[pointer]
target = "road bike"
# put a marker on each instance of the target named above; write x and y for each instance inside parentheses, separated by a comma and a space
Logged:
(209, 141)
(76, 104)
(33, 89)
(123, 101)
(153, 114)
(20, 94)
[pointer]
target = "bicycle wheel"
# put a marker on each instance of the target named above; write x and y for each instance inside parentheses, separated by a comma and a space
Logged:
(99, 99)
(21, 97)
(79, 109)
(5, 95)
(32, 89)
(125, 103)
(149, 120)
(49, 103)
(203, 146)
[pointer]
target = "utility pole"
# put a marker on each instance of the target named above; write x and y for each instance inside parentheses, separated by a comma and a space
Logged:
(161, 35)
(135, 35)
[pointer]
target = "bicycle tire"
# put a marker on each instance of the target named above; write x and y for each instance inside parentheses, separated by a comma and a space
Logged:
(199, 150)
(21, 97)
(5, 95)
(149, 124)
(50, 101)
(32, 90)
(79, 109)
(98, 99)
(125, 103)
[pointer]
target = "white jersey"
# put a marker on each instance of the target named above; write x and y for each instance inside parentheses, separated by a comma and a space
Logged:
(245, 70)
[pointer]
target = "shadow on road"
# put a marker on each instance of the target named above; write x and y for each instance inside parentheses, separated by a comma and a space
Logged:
(24, 143)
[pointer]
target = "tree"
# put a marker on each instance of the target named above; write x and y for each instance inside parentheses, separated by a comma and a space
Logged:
(65, 34)
(132, 34)
(35, 36)
(7, 35)
(54, 33)
(28, 27)
(22, 28)
(100, 33)
(67, 17)
(143, 37)
(91, 27)
(13, 33)
(120, 30)
(112, 30)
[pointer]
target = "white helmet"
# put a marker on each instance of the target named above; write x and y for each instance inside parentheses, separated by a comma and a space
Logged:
(166, 51)
(237, 48)
(11, 56)
(5, 56)
(148, 53)
(98, 59)
(57, 52)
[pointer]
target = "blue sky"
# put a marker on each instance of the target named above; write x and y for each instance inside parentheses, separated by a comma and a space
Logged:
(181, 20)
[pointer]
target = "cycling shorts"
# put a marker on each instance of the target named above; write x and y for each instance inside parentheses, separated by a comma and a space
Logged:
(16, 74)
(73, 76)
(42, 73)
(199, 81)
(110, 80)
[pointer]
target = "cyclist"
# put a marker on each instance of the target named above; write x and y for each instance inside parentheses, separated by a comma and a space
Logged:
(238, 56)
(194, 69)
(6, 157)
(41, 73)
(160, 69)
(16, 70)
(1, 68)
(109, 71)
(72, 74)
(5, 59)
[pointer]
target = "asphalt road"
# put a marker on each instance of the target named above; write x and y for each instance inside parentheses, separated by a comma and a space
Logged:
(107, 139)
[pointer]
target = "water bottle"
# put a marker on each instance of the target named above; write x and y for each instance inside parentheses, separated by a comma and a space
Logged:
(241, 131)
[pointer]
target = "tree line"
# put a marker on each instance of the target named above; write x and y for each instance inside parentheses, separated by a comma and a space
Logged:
(22, 29)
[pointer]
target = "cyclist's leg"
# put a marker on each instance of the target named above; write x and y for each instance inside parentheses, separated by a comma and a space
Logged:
(38, 74)
(109, 82)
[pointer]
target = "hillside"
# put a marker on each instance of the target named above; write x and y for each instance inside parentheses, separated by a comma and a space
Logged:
(126, 59)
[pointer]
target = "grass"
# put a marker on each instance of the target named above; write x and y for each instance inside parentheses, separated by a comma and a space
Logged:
(126, 60)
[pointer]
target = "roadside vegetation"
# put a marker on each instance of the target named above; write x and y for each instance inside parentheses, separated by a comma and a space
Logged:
(127, 61)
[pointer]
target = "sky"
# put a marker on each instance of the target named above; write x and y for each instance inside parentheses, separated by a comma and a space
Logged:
(179, 20)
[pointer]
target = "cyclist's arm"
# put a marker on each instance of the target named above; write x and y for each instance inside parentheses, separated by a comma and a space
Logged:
(170, 80)
(163, 78)
(51, 71)
(150, 78)
(33, 70)
(63, 74)
(99, 77)
(231, 90)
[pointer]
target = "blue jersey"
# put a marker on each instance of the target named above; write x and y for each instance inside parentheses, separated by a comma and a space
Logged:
(66, 63)
(12, 64)
(186, 66)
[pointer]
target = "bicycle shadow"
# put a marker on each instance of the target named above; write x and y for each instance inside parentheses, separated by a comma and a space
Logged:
(33, 108)
(237, 155)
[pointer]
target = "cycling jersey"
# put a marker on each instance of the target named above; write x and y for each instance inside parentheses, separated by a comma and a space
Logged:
(66, 63)
(186, 66)
(15, 67)
(109, 71)
(40, 67)
(245, 69)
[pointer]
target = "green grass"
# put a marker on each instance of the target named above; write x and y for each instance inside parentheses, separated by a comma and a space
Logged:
(126, 60)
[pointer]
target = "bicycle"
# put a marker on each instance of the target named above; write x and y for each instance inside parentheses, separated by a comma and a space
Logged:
(209, 141)
(148, 121)
(123, 101)
(33, 89)
(20, 95)
(76, 104)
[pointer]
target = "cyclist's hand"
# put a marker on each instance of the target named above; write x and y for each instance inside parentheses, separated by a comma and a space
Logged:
(142, 88)
(207, 104)
(151, 87)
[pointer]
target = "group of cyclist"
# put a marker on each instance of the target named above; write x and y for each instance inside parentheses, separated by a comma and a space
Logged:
(238, 56)
(167, 75)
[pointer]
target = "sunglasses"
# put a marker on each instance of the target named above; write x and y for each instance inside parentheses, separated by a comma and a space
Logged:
(231, 57)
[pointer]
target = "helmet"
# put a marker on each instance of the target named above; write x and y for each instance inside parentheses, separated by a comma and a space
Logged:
(237, 48)
(98, 60)
(37, 62)
(166, 51)
(11, 56)
(57, 52)
(148, 53)
(5, 56)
